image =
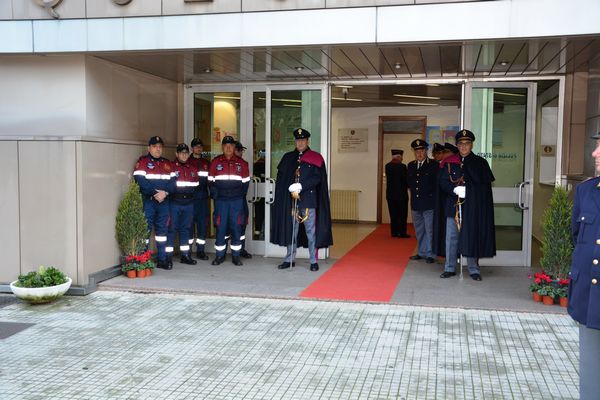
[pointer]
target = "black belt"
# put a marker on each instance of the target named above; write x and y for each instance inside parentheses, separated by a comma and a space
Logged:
(181, 196)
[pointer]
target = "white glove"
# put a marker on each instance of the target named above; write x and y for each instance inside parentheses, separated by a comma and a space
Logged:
(460, 191)
(295, 187)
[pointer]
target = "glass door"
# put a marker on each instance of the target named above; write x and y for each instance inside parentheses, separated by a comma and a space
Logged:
(502, 117)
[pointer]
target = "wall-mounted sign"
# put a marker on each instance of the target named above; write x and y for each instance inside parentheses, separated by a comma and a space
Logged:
(547, 150)
(353, 140)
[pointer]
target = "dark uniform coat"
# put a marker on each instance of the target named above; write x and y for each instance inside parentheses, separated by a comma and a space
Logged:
(478, 233)
(584, 290)
(449, 175)
(281, 210)
(396, 186)
(422, 183)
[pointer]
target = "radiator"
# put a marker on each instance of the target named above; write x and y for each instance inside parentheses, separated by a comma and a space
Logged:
(344, 205)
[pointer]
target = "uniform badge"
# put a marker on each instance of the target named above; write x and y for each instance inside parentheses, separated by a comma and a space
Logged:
(193, 175)
(238, 168)
(219, 167)
(150, 165)
(299, 131)
(177, 174)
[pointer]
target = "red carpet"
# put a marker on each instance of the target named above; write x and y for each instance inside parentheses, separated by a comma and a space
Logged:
(369, 272)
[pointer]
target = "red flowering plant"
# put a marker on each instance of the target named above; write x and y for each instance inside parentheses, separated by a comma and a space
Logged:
(563, 287)
(540, 281)
(138, 262)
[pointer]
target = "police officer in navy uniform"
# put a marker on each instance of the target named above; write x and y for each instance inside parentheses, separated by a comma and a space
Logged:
(437, 152)
(584, 289)
(396, 194)
(156, 179)
(182, 206)
(422, 181)
(229, 179)
(201, 206)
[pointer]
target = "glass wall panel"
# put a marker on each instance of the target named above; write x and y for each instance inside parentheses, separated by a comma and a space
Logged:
(259, 131)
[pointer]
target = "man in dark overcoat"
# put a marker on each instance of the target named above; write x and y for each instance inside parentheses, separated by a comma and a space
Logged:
(396, 194)
(584, 288)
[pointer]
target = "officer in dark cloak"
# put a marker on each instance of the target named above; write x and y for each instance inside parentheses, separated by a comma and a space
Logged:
(306, 168)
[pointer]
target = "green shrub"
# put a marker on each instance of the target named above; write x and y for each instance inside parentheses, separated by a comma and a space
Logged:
(131, 226)
(41, 278)
(557, 244)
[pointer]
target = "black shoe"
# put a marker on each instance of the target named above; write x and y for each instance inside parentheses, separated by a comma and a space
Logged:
(236, 261)
(314, 267)
(244, 253)
(218, 261)
(170, 261)
(200, 255)
(447, 274)
(285, 265)
(403, 236)
(164, 265)
(185, 259)
(476, 277)
(416, 257)
(430, 260)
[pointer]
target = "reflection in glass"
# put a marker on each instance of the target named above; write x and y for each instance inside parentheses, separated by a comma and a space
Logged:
(509, 227)
(259, 130)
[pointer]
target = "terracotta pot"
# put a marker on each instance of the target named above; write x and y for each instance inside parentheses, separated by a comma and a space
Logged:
(141, 273)
(548, 300)
(537, 296)
(148, 272)
(131, 274)
(564, 301)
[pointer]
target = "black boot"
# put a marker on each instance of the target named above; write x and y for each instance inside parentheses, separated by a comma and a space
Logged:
(285, 265)
(218, 261)
(170, 261)
(314, 267)
(163, 265)
(236, 260)
(186, 259)
(244, 253)
(201, 255)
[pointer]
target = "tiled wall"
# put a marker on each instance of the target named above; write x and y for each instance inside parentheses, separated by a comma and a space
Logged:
(28, 9)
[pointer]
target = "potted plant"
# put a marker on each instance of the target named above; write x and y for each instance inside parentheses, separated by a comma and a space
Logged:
(536, 285)
(562, 292)
(132, 232)
(557, 243)
(41, 286)
(548, 293)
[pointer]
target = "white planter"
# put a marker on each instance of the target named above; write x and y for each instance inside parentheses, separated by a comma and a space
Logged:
(40, 295)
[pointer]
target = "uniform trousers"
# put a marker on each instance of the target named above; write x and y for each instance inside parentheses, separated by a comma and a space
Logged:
(228, 218)
(452, 236)
(182, 216)
(200, 223)
(310, 225)
(423, 222)
(398, 215)
(157, 217)
(589, 362)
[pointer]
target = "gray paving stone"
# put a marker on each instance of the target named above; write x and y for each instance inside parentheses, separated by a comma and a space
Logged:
(117, 345)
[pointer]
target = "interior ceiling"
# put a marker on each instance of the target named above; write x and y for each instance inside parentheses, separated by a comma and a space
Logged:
(499, 58)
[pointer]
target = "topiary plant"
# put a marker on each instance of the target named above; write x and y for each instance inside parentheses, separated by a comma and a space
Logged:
(557, 244)
(131, 226)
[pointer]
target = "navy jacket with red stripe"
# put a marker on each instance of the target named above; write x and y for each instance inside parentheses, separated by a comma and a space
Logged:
(228, 179)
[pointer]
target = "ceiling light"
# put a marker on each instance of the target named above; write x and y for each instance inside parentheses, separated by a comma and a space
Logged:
(397, 65)
(510, 94)
(412, 96)
(417, 104)
(432, 84)
(344, 86)
(207, 70)
(343, 99)
(299, 68)
(227, 97)
(504, 63)
(288, 100)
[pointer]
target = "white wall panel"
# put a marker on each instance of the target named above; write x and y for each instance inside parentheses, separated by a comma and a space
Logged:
(107, 8)
(28, 9)
(60, 35)
(6, 9)
(20, 34)
(105, 34)
(171, 7)
(105, 173)
(47, 186)
(9, 212)
(366, 3)
(47, 96)
(272, 5)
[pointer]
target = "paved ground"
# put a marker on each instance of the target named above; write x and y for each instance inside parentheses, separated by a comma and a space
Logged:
(118, 345)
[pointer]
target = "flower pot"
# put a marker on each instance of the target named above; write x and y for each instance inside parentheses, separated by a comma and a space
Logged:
(537, 297)
(549, 301)
(131, 274)
(141, 273)
(40, 295)
(148, 272)
(564, 301)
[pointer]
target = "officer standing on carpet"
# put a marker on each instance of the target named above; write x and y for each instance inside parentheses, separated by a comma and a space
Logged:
(396, 194)
(422, 181)
(301, 177)
(182, 204)
(584, 288)
(201, 206)
(154, 175)
(229, 180)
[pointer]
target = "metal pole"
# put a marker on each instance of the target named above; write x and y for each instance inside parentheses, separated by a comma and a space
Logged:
(460, 227)
(294, 222)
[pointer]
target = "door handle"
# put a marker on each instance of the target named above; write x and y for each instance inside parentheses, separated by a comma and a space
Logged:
(254, 190)
(520, 189)
(271, 199)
